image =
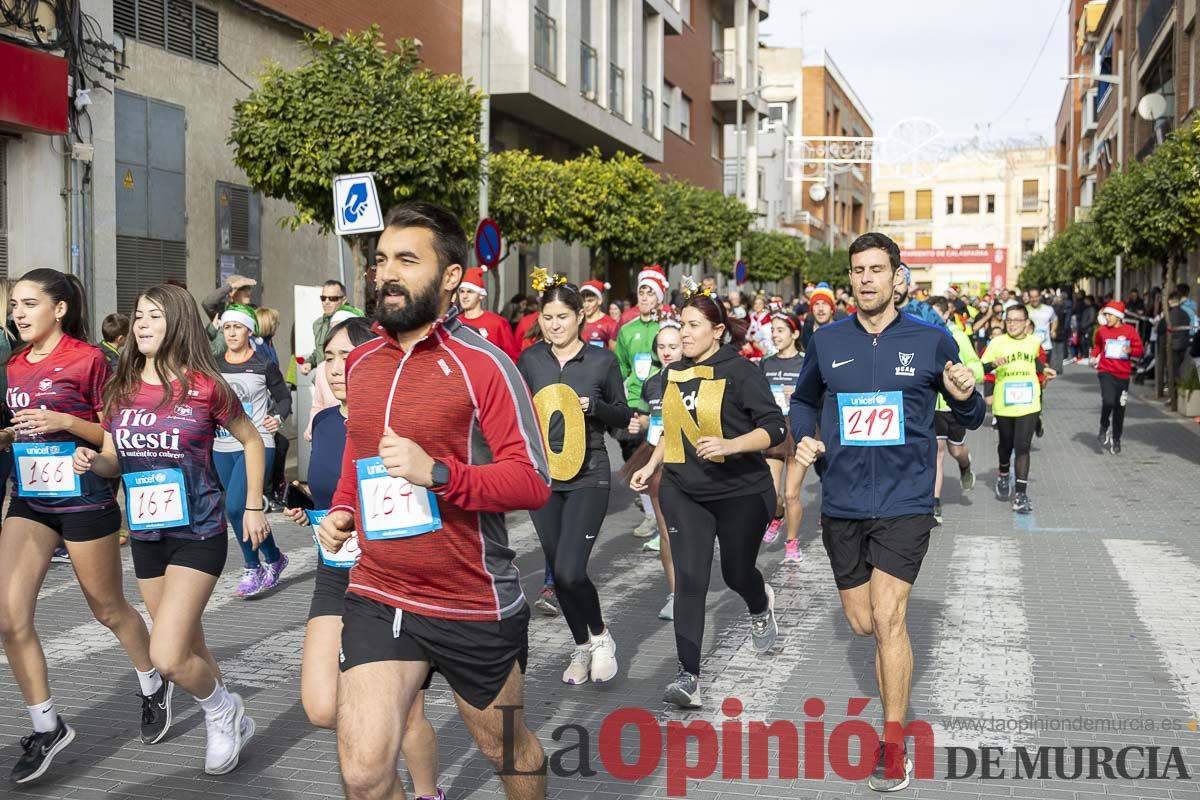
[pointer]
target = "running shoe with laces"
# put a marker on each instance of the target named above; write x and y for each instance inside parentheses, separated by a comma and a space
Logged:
(668, 611)
(251, 582)
(763, 629)
(604, 658)
(967, 476)
(273, 570)
(439, 796)
(772, 532)
(156, 713)
(653, 545)
(684, 691)
(60, 556)
(792, 554)
(39, 749)
(646, 528)
(579, 670)
(937, 511)
(1114, 447)
(547, 602)
(1021, 504)
(1003, 487)
(891, 773)
(228, 733)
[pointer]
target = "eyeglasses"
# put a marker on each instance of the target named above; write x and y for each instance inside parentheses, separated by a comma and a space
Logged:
(325, 299)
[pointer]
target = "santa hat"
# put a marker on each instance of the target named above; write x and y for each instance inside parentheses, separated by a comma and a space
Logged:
(1114, 307)
(595, 287)
(242, 315)
(656, 279)
(473, 280)
(822, 293)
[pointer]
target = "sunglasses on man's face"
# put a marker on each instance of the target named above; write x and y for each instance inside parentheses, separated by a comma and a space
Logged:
(325, 299)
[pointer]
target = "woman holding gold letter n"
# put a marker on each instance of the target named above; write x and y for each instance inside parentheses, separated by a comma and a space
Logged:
(718, 416)
(578, 393)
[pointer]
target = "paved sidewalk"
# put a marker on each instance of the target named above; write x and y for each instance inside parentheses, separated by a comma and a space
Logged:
(1086, 613)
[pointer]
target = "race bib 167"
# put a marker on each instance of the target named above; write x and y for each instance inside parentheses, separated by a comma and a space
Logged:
(156, 499)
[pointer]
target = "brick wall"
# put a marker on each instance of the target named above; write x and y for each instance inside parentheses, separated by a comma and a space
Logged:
(687, 63)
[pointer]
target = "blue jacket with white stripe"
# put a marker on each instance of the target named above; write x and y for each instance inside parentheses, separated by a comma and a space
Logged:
(906, 357)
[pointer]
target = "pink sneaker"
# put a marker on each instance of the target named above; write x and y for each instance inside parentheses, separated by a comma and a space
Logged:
(272, 572)
(251, 583)
(772, 532)
(791, 552)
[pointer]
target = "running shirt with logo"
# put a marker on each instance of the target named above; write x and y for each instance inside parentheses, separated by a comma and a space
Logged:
(150, 436)
(652, 392)
(1017, 393)
(70, 381)
(325, 461)
(1042, 316)
(782, 374)
(601, 333)
(970, 359)
(258, 384)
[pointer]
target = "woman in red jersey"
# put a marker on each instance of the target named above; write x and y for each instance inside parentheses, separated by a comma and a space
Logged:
(54, 385)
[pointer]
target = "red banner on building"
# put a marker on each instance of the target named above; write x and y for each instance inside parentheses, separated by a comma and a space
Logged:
(997, 257)
(33, 90)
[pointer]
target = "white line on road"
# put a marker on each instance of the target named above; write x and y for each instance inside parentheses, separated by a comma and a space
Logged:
(1165, 583)
(982, 667)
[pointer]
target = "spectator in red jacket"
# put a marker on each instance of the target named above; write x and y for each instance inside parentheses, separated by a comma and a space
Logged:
(1117, 344)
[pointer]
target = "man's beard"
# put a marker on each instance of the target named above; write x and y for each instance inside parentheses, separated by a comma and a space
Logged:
(418, 311)
(900, 297)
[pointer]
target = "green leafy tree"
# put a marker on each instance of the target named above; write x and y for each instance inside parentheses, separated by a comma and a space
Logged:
(828, 266)
(769, 255)
(696, 225)
(357, 106)
(610, 205)
(1073, 255)
(526, 196)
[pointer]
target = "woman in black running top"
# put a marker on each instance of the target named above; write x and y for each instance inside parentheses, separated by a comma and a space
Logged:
(718, 417)
(578, 393)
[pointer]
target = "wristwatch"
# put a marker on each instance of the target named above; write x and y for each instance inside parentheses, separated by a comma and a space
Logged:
(440, 474)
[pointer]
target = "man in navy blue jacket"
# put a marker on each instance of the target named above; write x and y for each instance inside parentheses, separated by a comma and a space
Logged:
(873, 380)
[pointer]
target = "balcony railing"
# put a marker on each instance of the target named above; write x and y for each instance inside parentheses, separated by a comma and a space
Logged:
(722, 68)
(545, 42)
(589, 81)
(1152, 19)
(616, 90)
(648, 110)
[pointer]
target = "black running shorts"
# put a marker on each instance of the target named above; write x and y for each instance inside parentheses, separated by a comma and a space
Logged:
(73, 526)
(475, 658)
(895, 545)
(329, 591)
(947, 427)
(151, 559)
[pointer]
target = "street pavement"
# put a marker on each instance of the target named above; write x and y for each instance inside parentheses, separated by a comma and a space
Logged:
(1085, 613)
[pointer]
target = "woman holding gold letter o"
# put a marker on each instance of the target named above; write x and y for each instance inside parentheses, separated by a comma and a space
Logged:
(578, 393)
(718, 416)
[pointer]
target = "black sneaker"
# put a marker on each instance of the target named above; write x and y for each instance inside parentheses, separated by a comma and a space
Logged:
(892, 774)
(1021, 504)
(40, 749)
(1103, 437)
(1114, 447)
(684, 691)
(156, 713)
(1003, 487)
(937, 511)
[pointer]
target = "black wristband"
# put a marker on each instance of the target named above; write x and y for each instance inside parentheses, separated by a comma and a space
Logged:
(255, 509)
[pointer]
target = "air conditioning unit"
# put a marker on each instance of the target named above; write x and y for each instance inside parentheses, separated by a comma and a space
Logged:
(1090, 122)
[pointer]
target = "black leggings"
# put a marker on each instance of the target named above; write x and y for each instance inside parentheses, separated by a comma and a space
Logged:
(567, 527)
(1016, 433)
(738, 522)
(1112, 398)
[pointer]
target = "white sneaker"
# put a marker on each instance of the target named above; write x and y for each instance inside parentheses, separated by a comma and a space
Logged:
(604, 658)
(668, 611)
(647, 528)
(227, 735)
(579, 669)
